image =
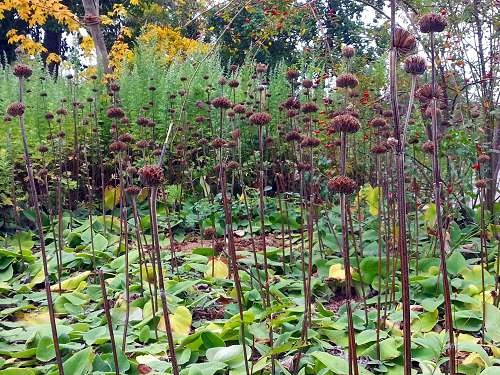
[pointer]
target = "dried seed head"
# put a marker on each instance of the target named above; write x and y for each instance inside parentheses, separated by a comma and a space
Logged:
(342, 184)
(425, 93)
(428, 147)
(16, 109)
(235, 134)
(22, 71)
(218, 143)
(309, 107)
(114, 87)
(291, 103)
(232, 165)
(482, 183)
(310, 142)
(307, 83)
(303, 167)
(233, 83)
(432, 23)
(348, 52)
(404, 41)
(378, 122)
(126, 137)
(379, 148)
(115, 112)
(415, 65)
(142, 144)
(293, 136)
(151, 175)
(239, 108)
(345, 123)
(392, 142)
(117, 146)
(222, 81)
(292, 74)
(261, 68)
(209, 232)
(133, 190)
(347, 80)
(483, 158)
(221, 102)
(260, 118)
(43, 149)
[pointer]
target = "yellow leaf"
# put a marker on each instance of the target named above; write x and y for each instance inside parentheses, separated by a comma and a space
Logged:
(337, 272)
(73, 283)
(217, 268)
(180, 321)
(474, 359)
(112, 197)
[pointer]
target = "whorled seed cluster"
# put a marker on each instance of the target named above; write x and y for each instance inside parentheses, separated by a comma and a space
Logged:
(16, 109)
(428, 147)
(404, 41)
(117, 146)
(115, 112)
(415, 65)
(133, 190)
(342, 185)
(378, 122)
(22, 71)
(292, 74)
(432, 23)
(221, 102)
(310, 142)
(293, 136)
(309, 107)
(151, 175)
(260, 118)
(345, 123)
(426, 93)
(347, 80)
(348, 52)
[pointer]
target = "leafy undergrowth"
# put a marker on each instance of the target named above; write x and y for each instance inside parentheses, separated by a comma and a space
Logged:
(205, 317)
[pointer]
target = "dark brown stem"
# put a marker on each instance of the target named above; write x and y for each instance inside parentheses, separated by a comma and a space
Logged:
(234, 261)
(401, 199)
(439, 219)
(353, 358)
(41, 236)
(163, 296)
(109, 321)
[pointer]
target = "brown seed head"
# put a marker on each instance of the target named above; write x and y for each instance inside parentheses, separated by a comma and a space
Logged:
(345, 123)
(342, 185)
(260, 118)
(347, 80)
(415, 65)
(16, 109)
(151, 175)
(22, 71)
(432, 23)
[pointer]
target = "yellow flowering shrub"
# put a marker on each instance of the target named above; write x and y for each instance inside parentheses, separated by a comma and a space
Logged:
(35, 13)
(168, 43)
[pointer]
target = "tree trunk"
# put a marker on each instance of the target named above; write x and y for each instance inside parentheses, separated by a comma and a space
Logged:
(93, 23)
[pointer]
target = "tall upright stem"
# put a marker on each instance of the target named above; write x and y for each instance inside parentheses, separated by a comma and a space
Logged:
(439, 218)
(161, 284)
(353, 360)
(41, 236)
(401, 199)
